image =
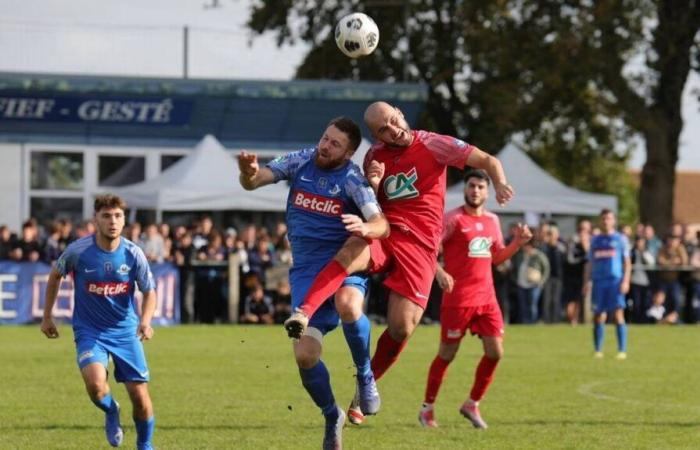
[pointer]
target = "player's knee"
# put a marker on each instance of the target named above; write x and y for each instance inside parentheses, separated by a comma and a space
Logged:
(494, 353)
(306, 358)
(348, 305)
(400, 332)
(97, 389)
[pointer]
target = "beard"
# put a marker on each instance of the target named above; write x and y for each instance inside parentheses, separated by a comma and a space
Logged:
(473, 204)
(328, 164)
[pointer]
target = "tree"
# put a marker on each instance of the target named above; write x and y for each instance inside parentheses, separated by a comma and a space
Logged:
(575, 81)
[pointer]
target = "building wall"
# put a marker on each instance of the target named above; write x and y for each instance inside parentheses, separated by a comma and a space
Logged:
(11, 185)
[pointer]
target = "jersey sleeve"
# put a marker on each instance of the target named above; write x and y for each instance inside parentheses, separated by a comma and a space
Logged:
(144, 276)
(358, 188)
(447, 150)
(624, 247)
(286, 166)
(67, 261)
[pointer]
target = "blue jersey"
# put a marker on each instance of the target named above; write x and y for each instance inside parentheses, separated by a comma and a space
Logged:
(316, 200)
(104, 286)
(607, 255)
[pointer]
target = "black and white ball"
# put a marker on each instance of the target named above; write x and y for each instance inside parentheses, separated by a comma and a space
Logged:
(357, 35)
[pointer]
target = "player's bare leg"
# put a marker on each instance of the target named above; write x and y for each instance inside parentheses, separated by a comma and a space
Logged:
(95, 378)
(353, 256)
(402, 317)
(436, 375)
(493, 352)
(144, 419)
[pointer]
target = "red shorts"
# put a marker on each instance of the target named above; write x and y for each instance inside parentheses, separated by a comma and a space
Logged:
(410, 266)
(484, 320)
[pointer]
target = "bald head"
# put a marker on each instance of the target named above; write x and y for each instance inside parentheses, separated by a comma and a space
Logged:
(387, 124)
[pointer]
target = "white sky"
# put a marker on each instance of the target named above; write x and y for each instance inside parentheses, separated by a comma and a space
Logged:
(144, 37)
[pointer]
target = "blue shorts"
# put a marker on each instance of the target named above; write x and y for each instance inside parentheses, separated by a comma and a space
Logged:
(326, 318)
(606, 295)
(126, 352)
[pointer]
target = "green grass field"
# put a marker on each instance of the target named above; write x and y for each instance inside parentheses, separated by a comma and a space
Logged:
(236, 387)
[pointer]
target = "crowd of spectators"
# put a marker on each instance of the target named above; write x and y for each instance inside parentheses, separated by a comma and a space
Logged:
(541, 283)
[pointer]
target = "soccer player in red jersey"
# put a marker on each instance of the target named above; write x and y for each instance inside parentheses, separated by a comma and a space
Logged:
(408, 170)
(472, 243)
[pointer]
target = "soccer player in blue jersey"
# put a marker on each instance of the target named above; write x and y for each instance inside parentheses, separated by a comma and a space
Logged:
(327, 199)
(105, 268)
(607, 279)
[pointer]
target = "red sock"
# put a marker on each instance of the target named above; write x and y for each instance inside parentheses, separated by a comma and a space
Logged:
(483, 377)
(438, 370)
(386, 354)
(325, 284)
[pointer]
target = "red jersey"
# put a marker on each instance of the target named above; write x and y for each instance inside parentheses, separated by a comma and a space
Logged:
(412, 191)
(469, 243)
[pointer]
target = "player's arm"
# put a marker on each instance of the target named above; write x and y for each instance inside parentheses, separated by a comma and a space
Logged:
(148, 307)
(376, 227)
(587, 278)
(626, 267)
(48, 327)
(252, 176)
(479, 159)
(444, 279)
(522, 236)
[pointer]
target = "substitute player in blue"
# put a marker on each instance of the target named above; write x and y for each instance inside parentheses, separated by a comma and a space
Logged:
(327, 196)
(607, 279)
(105, 268)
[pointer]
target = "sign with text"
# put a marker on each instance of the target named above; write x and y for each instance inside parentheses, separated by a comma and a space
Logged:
(97, 110)
(23, 286)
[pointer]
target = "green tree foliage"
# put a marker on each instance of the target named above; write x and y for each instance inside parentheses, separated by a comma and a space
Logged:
(575, 82)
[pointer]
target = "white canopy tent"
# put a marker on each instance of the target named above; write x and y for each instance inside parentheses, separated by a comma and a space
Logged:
(206, 179)
(536, 191)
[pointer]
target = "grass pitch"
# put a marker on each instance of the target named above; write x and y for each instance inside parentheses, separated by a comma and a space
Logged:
(237, 387)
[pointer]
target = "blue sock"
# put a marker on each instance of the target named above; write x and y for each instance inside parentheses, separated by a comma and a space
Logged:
(317, 383)
(144, 430)
(106, 403)
(622, 337)
(598, 334)
(357, 336)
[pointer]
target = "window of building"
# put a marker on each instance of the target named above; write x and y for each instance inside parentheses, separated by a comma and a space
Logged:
(48, 209)
(168, 160)
(54, 170)
(121, 170)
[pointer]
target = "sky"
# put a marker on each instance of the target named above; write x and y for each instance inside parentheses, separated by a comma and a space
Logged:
(145, 38)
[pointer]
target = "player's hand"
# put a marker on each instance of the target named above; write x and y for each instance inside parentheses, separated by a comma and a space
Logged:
(374, 174)
(144, 332)
(624, 287)
(355, 225)
(248, 164)
(504, 193)
(523, 234)
(445, 280)
(49, 328)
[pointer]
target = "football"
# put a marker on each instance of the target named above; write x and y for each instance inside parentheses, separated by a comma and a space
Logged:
(356, 35)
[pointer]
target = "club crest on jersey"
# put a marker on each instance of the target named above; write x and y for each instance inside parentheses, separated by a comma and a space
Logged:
(317, 203)
(401, 185)
(123, 269)
(109, 268)
(480, 247)
(335, 190)
(322, 183)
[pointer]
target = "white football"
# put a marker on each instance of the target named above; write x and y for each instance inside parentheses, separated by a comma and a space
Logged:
(356, 35)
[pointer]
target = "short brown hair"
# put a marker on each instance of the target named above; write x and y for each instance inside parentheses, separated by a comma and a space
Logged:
(109, 201)
(350, 128)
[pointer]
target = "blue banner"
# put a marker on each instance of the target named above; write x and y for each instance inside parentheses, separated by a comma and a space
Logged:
(23, 285)
(96, 109)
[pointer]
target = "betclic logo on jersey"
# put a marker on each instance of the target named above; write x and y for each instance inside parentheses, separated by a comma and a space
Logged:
(317, 203)
(108, 288)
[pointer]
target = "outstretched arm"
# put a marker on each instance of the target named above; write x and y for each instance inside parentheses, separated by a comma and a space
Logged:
(482, 160)
(252, 176)
(377, 227)
(522, 236)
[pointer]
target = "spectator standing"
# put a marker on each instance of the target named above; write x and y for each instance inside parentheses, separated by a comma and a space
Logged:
(52, 245)
(153, 244)
(576, 258)
(668, 289)
(552, 289)
(31, 248)
(640, 292)
(532, 273)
